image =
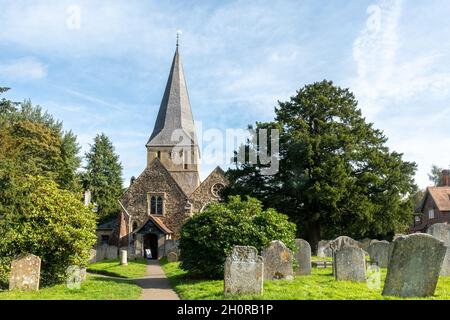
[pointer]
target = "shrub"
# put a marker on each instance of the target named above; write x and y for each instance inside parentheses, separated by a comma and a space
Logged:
(208, 237)
(48, 222)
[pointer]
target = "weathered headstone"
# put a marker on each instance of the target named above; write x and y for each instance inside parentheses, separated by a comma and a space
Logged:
(74, 277)
(303, 257)
(343, 241)
(414, 267)
(244, 271)
(350, 264)
(25, 272)
(111, 252)
(338, 244)
(277, 261)
(379, 252)
(123, 257)
(323, 249)
(172, 256)
(364, 243)
(441, 231)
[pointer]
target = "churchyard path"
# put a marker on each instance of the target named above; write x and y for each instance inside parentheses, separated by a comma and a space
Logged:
(155, 285)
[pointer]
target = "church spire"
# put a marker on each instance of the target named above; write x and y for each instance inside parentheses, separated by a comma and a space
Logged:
(175, 110)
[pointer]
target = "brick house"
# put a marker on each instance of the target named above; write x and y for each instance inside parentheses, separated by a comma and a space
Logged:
(434, 207)
(169, 190)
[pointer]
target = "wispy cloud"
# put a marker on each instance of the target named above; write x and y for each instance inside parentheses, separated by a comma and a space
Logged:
(23, 69)
(385, 72)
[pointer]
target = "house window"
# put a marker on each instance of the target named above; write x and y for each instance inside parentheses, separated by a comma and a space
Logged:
(159, 155)
(431, 214)
(135, 226)
(156, 204)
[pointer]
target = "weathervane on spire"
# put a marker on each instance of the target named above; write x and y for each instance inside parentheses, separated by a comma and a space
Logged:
(178, 36)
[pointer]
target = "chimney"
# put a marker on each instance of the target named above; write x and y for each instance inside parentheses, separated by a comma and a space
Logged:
(445, 178)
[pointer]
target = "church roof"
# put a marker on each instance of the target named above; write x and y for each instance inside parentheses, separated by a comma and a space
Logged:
(175, 110)
(156, 221)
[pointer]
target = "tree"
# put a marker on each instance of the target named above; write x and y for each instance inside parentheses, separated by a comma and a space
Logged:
(103, 177)
(40, 143)
(208, 237)
(46, 221)
(336, 176)
(435, 175)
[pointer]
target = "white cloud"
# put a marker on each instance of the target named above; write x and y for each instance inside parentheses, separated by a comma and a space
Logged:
(385, 72)
(23, 69)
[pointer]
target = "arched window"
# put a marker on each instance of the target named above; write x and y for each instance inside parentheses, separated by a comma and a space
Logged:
(153, 205)
(159, 205)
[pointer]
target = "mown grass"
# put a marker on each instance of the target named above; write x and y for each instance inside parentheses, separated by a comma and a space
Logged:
(95, 287)
(321, 285)
(134, 268)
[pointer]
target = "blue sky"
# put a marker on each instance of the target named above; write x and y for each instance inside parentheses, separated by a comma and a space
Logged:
(108, 73)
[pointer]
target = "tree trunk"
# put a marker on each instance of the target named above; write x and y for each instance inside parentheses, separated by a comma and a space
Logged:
(314, 236)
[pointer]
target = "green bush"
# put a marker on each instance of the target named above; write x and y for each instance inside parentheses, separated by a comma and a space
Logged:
(48, 222)
(209, 236)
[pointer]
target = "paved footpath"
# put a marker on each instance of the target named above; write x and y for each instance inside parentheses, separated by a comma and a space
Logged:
(155, 285)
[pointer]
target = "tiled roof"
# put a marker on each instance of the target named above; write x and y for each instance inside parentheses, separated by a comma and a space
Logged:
(441, 197)
(110, 224)
(158, 223)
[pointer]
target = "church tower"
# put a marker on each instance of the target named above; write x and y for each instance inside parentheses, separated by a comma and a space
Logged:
(174, 140)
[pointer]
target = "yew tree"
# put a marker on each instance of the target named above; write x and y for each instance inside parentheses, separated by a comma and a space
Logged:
(337, 175)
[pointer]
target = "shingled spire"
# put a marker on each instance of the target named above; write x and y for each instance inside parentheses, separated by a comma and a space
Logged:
(175, 110)
(173, 140)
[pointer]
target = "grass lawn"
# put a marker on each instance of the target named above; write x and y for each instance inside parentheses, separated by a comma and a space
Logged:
(319, 286)
(134, 269)
(95, 287)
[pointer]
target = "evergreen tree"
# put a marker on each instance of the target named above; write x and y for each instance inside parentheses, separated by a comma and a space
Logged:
(103, 177)
(336, 176)
(38, 142)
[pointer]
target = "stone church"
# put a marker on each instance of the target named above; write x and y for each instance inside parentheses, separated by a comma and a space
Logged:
(169, 190)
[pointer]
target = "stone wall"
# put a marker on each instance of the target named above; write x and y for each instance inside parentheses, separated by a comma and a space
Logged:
(203, 194)
(156, 179)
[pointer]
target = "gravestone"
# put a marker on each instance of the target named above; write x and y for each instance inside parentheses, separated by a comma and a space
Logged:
(172, 256)
(364, 243)
(111, 252)
(123, 257)
(350, 264)
(244, 271)
(414, 267)
(338, 244)
(343, 241)
(303, 257)
(25, 272)
(441, 231)
(379, 252)
(74, 277)
(277, 262)
(323, 249)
